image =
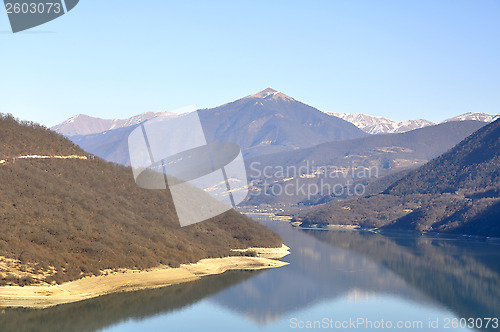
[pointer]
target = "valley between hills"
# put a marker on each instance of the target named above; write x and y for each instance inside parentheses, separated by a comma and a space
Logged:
(291, 150)
(457, 192)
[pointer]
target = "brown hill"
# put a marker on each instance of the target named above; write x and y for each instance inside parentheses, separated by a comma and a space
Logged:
(68, 218)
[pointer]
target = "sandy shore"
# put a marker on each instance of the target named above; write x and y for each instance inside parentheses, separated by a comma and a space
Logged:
(89, 287)
(347, 227)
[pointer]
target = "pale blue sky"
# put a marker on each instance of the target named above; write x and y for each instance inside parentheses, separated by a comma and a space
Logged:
(117, 58)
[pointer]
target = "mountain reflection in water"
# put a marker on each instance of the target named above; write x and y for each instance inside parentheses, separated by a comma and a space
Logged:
(327, 268)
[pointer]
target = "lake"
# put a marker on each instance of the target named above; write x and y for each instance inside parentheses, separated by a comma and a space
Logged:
(335, 280)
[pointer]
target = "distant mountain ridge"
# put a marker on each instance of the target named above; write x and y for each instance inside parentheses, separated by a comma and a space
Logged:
(82, 124)
(381, 125)
(484, 117)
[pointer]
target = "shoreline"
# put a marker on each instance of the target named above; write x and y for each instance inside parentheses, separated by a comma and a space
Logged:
(381, 231)
(44, 296)
(270, 215)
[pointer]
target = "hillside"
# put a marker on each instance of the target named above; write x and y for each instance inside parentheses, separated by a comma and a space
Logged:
(111, 145)
(16, 139)
(384, 154)
(263, 123)
(62, 219)
(458, 192)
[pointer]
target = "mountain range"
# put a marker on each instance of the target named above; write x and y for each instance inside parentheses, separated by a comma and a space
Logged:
(275, 130)
(262, 123)
(381, 125)
(82, 124)
(457, 192)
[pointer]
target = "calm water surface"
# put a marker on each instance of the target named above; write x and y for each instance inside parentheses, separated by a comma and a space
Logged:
(359, 280)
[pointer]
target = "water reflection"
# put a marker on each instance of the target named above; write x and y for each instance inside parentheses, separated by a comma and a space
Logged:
(318, 271)
(350, 272)
(98, 313)
(463, 275)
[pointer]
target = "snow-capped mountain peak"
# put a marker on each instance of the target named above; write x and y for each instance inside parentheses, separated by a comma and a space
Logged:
(271, 94)
(381, 125)
(484, 117)
(82, 124)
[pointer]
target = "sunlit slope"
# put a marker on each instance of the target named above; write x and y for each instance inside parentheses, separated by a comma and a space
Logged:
(61, 219)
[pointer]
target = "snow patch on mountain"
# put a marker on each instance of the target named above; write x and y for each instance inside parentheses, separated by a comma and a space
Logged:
(381, 125)
(270, 94)
(484, 117)
(82, 124)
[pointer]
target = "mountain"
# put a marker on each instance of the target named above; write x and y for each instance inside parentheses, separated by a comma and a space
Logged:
(82, 124)
(111, 145)
(64, 216)
(380, 125)
(484, 117)
(270, 121)
(458, 192)
(335, 164)
(263, 123)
